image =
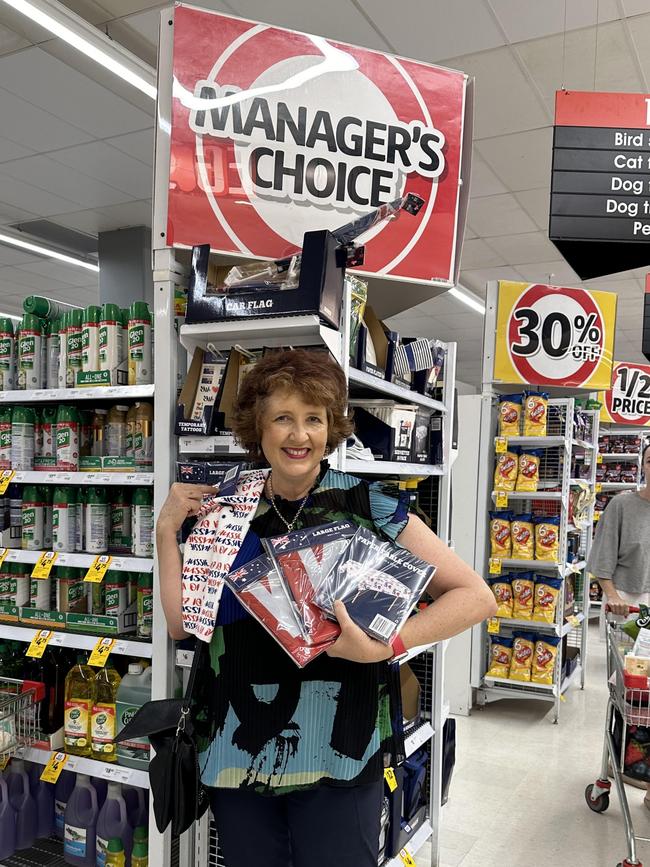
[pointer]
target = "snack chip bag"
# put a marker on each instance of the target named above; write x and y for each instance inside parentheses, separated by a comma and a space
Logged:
(523, 587)
(522, 656)
(505, 474)
(528, 474)
(500, 657)
(510, 414)
(500, 543)
(535, 412)
(547, 538)
(547, 591)
(502, 589)
(523, 538)
(544, 657)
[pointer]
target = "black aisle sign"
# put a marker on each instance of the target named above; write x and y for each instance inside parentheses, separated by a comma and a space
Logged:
(600, 186)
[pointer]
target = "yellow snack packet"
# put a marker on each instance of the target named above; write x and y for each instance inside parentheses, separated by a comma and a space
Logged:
(500, 543)
(544, 658)
(547, 538)
(528, 472)
(500, 657)
(523, 587)
(522, 656)
(547, 591)
(523, 537)
(535, 413)
(502, 589)
(510, 415)
(505, 474)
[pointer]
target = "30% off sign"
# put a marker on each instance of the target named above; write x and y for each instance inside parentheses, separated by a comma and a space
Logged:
(550, 335)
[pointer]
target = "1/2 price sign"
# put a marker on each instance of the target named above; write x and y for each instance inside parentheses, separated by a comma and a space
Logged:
(628, 400)
(554, 335)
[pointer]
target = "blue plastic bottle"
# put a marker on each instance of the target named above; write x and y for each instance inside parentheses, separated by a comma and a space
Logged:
(114, 822)
(62, 791)
(137, 806)
(81, 824)
(43, 794)
(101, 787)
(23, 803)
(7, 823)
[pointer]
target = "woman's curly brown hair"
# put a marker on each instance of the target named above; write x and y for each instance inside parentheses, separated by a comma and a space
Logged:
(313, 374)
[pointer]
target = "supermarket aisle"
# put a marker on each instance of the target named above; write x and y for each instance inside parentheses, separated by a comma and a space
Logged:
(517, 797)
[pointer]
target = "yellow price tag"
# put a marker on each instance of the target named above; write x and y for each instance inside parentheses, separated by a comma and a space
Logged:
(44, 564)
(38, 643)
(101, 652)
(407, 858)
(98, 569)
(495, 566)
(52, 770)
(391, 779)
(597, 517)
(502, 500)
(494, 624)
(501, 445)
(599, 487)
(4, 761)
(3, 554)
(573, 620)
(5, 479)
(599, 458)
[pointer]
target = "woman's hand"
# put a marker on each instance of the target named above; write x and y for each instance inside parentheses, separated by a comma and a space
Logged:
(618, 605)
(182, 502)
(353, 643)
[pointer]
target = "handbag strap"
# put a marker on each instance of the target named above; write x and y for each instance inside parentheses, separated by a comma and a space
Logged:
(187, 698)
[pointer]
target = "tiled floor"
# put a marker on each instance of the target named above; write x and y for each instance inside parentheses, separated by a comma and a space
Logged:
(517, 796)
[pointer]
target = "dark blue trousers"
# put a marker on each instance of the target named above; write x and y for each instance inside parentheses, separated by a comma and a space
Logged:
(321, 827)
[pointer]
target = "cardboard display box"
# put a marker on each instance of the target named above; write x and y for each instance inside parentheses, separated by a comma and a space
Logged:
(390, 438)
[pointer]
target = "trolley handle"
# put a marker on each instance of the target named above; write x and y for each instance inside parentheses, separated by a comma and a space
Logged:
(632, 609)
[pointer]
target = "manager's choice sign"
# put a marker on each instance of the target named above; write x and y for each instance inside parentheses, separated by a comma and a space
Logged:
(628, 400)
(275, 133)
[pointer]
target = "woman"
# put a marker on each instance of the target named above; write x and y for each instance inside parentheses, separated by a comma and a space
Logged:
(315, 738)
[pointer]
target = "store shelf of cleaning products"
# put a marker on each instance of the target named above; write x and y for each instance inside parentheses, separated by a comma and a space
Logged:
(359, 378)
(392, 468)
(414, 845)
(254, 333)
(83, 561)
(108, 392)
(125, 647)
(39, 477)
(81, 765)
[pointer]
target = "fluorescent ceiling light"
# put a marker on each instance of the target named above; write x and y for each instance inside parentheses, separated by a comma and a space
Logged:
(10, 316)
(468, 298)
(78, 33)
(50, 254)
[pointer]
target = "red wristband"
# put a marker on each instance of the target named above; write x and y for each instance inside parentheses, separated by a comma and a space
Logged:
(399, 648)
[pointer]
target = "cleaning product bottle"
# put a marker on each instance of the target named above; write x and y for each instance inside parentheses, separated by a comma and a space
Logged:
(30, 336)
(143, 437)
(140, 344)
(43, 795)
(53, 352)
(48, 431)
(117, 593)
(110, 341)
(64, 324)
(47, 494)
(68, 423)
(62, 791)
(113, 822)
(142, 522)
(95, 511)
(79, 700)
(103, 731)
(133, 692)
(7, 822)
(90, 338)
(141, 832)
(5, 438)
(86, 432)
(73, 337)
(44, 307)
(120, 532)
(145, 604)
(80, 502)
(23, 803)
(137, 807)
(140, 854)
(114, 853)
(33, 514)
(64, 519)
(7, 355)
(101, 787)
(81, 824)
(23, 421)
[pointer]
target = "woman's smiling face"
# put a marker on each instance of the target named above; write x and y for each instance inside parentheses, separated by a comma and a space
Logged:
(294, 437)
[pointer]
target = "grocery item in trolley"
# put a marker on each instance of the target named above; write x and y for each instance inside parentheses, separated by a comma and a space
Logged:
(505, 473)
(502, 589)
(260, 589)
(522, 656)
(500, 533)
(523, 586)
(544, 657)
(304, 558)
(500, 656)
(523, 537)
(510, 414)
(535, 413)
(547, 538)
(378, 582)
(528, 471)
(547, 591)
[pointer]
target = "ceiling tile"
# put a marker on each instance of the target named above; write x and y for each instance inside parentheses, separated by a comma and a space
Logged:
(20, 194)
(555, 272)
(15, 256)
(483, 181)
(54, 177)
(640, 32)
(635, 7)
(120, 8)
(529, 248)
(106, 219)
(523, 21)
(521, 160)
(47, 82)
(11, 41)
(498, 215)
(34, 128)
(536, 203)
(9, 150)
(478, 254)
(113, 167)
(504, 100)
(145, 24)
(476, 279)
(32, 283)
(58, 271)
(436, 35)
(137, 144)
(94, 13)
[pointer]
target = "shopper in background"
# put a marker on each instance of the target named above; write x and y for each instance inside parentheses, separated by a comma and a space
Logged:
(295, 757)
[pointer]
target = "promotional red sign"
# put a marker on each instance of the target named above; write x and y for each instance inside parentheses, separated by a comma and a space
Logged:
(275, 133)
(628, 400)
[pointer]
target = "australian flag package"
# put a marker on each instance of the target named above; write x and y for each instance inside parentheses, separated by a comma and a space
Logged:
(304, 558)
(378, 582)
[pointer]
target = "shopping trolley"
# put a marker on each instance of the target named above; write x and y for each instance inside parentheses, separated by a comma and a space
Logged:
(628, 705)
(19, 710)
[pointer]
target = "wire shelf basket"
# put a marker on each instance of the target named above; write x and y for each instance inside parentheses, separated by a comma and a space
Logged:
(18, 715)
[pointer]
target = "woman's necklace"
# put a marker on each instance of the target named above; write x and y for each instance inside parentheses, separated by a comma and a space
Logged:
(287, 524)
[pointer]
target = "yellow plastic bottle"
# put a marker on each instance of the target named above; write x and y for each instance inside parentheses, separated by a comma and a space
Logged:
(140, 856)
(114, 853)
(79, 698)
(102, 726)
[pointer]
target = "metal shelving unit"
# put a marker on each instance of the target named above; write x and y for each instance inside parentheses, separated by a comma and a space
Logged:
(38, 477)
(72, 395)
(123, 646)
(105, 770)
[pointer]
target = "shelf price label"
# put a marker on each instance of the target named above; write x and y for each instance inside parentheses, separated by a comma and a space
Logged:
(5, 479)
(39, 642)
(599, 458)
(501, 499)
(628, 400)
(501, 445)
(101, 652)
(599, 487)
(493, 625)
(3, 555)
(597, 517)
(53, 768)
(573, 620)
(44, 564)
(4, 761)
(98, 569)
(407, 859)
(553, 335)
(495, 565)
(391, 779)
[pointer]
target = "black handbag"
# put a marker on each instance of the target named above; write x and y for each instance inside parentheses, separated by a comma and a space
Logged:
(179, 797)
